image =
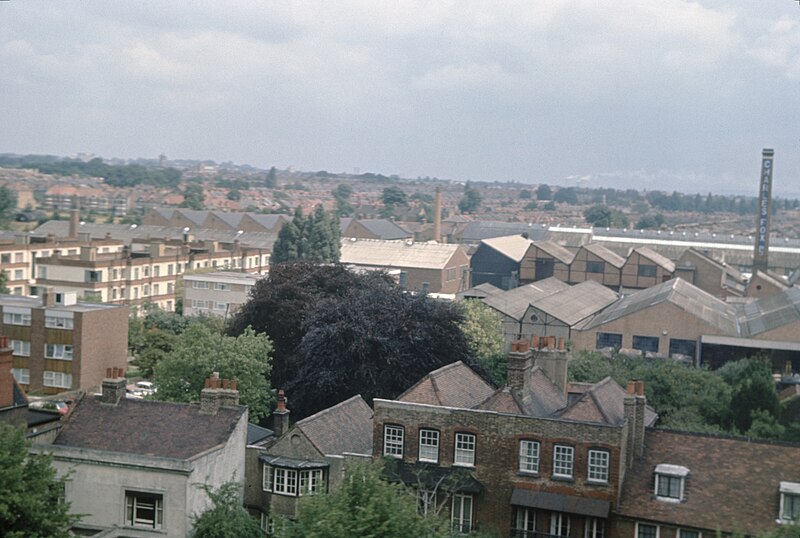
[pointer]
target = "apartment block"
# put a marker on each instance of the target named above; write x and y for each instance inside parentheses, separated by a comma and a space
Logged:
(219, 293)
(60, 344)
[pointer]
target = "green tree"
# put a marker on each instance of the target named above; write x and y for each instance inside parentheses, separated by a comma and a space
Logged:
(362, 505)
(753, 390)
(394, 197)
(602, 216)
(226, 518)
(650, 221)
(525, 194)
(471, 201)
(31, 504)
(8, 203)
(316, 237)
(3, 281)
(193, 197)
(272, 179)
(483, 329)
(544, 192)
(567, 195)
(234, 195)
(200, 350)
(341, 194)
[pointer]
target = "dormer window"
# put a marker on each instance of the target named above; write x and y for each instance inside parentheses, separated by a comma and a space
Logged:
(790, 502)
(670, 482)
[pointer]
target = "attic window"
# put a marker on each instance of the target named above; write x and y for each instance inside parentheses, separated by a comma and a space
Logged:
(790, 502)
(670, 482)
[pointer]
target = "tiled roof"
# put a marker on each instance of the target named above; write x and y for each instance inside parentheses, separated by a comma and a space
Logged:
(502, 401)
(454, 385)
(609, 256)
(515, 302)
(732, 486)
(345, 427)
(577, 302)
(399, 254)
(604, 402)
(147, 428)
(513, 247)
(556, 251)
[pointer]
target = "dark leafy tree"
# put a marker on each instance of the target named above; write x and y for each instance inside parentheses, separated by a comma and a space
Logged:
(650, 221)
(193, 197)
(341, 194)
(525, 194)
(3, 280)
(226, 518)
(272, 179)
(566, 196)
(234, 195)
(316, 237)
(753, 391)
(471, 201)
(394, 197)
(31, 503)
(603, 216)
(544, 192)
(8, 202)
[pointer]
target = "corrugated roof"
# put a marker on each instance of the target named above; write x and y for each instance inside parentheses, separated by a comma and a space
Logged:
(513, 247)
(345, 427)
(605, 254)
(380, 253)
(515, 302)
(656, 258)
(556, 251)
(771, 312)
(577, 302)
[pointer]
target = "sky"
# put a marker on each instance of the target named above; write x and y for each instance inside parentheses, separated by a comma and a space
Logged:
(654, 94)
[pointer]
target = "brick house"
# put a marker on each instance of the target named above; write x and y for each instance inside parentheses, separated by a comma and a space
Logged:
(536, 456)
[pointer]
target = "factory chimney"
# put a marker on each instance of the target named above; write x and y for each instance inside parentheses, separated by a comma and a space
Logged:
(761, 252)
(437, 216)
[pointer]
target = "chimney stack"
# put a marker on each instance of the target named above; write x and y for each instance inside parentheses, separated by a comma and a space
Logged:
(761, 253)
(6, 377)
(218, 393)
(635, 403)
(280, 420)
(114, 386)
(437, 216)
(519, 362)
(75, 217)
(48, 297)
(549, 354)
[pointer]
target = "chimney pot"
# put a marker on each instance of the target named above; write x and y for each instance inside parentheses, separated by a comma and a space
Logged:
(535, 342)
(640, 388)
(561, 343)
(631, 388)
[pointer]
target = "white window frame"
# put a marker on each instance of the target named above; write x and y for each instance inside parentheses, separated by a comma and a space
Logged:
(22, 375)
(62, 352)
(16, 318)
(222, 286)
(668, 473)
(21, 348)
(696, 534)
(133, 499)
(266, 478)
(200, 285)
(524, 522)
(598, 465)
(200, 304)
(59, 322)
(559, 524)
(284, 481)
(594, 527)
(639, 525)
(788, 490)
(59, 380)
(428, 445)
(464, 449)
(529, 456)
(563, 461)
(393, 437)
(311, 482)
(220, 306)
(461, 513)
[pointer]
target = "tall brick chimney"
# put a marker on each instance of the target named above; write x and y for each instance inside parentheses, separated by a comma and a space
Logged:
(280, 421)
(520, 360)
(437, 216)
(6, 377)
(635, 403)
(114, 386)
(218, 393)
(75, 217)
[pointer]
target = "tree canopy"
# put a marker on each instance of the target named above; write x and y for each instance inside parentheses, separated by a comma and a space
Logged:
(471, 201)
(544, 192)
(483, 329)
(193, 197)
(226, 518)
(200, 351)
(315, 238)
(603, 216)
(31, 496)
(394, 197)
(8, 202)
(337, 333)
(272, 179)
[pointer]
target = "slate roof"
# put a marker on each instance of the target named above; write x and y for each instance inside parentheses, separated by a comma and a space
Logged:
(476, 231)
(257, 434)
(454, 385)
(481, 291)
(513, 247)
(719, 467)
(345, 427)
(400, 254)
(771, 312)
(515, 302)
(231, 219)
(384, 229)
(556, 251)
(680, 293)
(656, 258)
(609, 256)
(147, 428)
(540, 397)
(577, 302)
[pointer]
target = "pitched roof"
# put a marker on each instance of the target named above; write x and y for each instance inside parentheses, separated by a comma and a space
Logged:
(609, 256)
(401, 254)
(384, 229)
(231, 219)
(540, 397)
(577, 302)
(481, 291)
(718, 468)
(656, 258)
(481, 230)
(454, 385)
(515, 302)
(147, 428)
(771, 312)
(513, 247)
(556, 251)
(604, 402)
(678, 292)
(345, 427)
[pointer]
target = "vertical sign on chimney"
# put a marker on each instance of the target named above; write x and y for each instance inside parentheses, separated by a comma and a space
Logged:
(761, 253)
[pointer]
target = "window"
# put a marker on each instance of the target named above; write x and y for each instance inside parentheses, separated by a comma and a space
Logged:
(266, 478)
(524, 523)
(58, 322)
(595, 267)
(22, 375)
(426, 502)
(220, 306)
(58, 351)
(43, 272)
(461, 513)
(646, 343)
(595, 528)
(311, 482)
(683, 533)
(604, 340)
(393, 441)
(18, 274)
(790, 501)
(146, 290)
(93, 276)
(559, 524)
(267, 524)
(146, 271)
(219, 286)
(156, 289)
(156, 270)
(57, 379)
(678, 346)
(429, 445)
(598, 466)
(284, 481)
(169, 270)
(16, 318)
(170, 288)
(465, 449)
(292, 482)
(144, 509)
(563, 457)
(450, 274)
(670, 482)
(5, 258)
(646, 531)
(426, 288)
(199, 303)
(200, 285)
(21, 348)
(529, 456)
(19, 257)
(647, 270)
(115, 274)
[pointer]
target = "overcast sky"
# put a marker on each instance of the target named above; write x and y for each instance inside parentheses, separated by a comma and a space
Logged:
(647, 94)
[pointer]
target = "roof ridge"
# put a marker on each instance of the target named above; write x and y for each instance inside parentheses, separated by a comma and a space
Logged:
(326, 410)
